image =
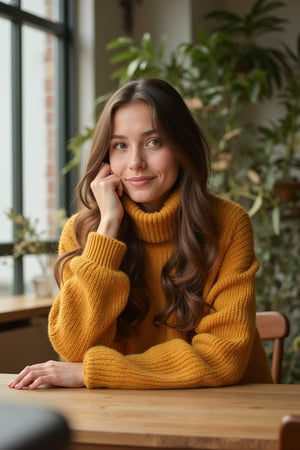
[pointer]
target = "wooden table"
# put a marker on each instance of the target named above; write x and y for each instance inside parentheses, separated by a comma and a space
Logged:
(23, 332)
(230, 418)
(20, 307)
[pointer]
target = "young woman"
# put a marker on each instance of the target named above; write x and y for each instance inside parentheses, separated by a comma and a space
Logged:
(156, 273)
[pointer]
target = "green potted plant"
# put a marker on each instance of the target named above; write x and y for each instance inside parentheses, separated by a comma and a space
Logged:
(282, 138)
(29, 241)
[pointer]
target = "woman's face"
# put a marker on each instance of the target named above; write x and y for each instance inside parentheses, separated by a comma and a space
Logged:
(141, 156)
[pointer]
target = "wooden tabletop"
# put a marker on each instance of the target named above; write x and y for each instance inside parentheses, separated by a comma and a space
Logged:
(19, 307)
(229, 418)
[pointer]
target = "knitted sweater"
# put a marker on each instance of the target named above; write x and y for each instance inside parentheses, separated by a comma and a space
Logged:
(226, 348)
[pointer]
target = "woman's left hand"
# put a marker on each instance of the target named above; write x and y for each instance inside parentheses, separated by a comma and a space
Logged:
(55, 373)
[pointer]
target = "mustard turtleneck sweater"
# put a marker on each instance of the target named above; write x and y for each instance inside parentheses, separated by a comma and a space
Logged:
(226, 348)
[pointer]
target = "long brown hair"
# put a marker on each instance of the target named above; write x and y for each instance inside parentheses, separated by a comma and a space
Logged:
(196, 249)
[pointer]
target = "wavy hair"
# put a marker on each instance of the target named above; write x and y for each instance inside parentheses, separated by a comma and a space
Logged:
(196, 250)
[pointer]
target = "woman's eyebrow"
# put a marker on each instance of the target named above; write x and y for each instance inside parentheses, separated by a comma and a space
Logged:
(144, 133)
(118, 136)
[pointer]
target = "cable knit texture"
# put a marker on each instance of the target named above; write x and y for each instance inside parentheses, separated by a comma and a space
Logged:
(226, 348)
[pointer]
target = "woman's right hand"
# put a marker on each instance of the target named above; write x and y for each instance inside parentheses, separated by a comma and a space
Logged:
(107, 189)
(54, 373)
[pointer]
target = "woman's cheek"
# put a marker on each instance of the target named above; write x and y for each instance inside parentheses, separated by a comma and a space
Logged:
(116, 167)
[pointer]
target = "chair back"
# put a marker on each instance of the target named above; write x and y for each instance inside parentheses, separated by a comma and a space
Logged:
(274, 325)
(289, 433)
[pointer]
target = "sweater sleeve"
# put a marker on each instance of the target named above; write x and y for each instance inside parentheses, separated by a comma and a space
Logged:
(93, 287)
(220, 350)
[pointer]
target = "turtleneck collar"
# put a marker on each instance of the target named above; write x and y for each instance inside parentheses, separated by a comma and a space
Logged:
(159, 226)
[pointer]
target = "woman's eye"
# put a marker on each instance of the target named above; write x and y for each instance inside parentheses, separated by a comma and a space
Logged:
(119, 146)
(155, 142)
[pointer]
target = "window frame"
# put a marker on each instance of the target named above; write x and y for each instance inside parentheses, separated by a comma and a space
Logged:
(63, 30)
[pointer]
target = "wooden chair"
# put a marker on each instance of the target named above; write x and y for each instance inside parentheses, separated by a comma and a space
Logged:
(289, 433)
(274, 325)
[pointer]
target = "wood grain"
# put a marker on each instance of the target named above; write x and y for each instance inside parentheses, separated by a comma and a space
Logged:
(229, 418)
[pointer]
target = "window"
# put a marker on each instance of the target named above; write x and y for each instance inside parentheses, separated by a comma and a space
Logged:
(36, 122)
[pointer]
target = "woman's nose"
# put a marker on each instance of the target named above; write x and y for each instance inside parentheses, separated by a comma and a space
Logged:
(137, 161)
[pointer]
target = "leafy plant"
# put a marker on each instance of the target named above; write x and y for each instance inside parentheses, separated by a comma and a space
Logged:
(251, 58)
(75, 146)
(282, 137)
(29, 239)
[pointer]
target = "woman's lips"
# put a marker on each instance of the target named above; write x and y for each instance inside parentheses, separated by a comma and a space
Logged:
(139, 181)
